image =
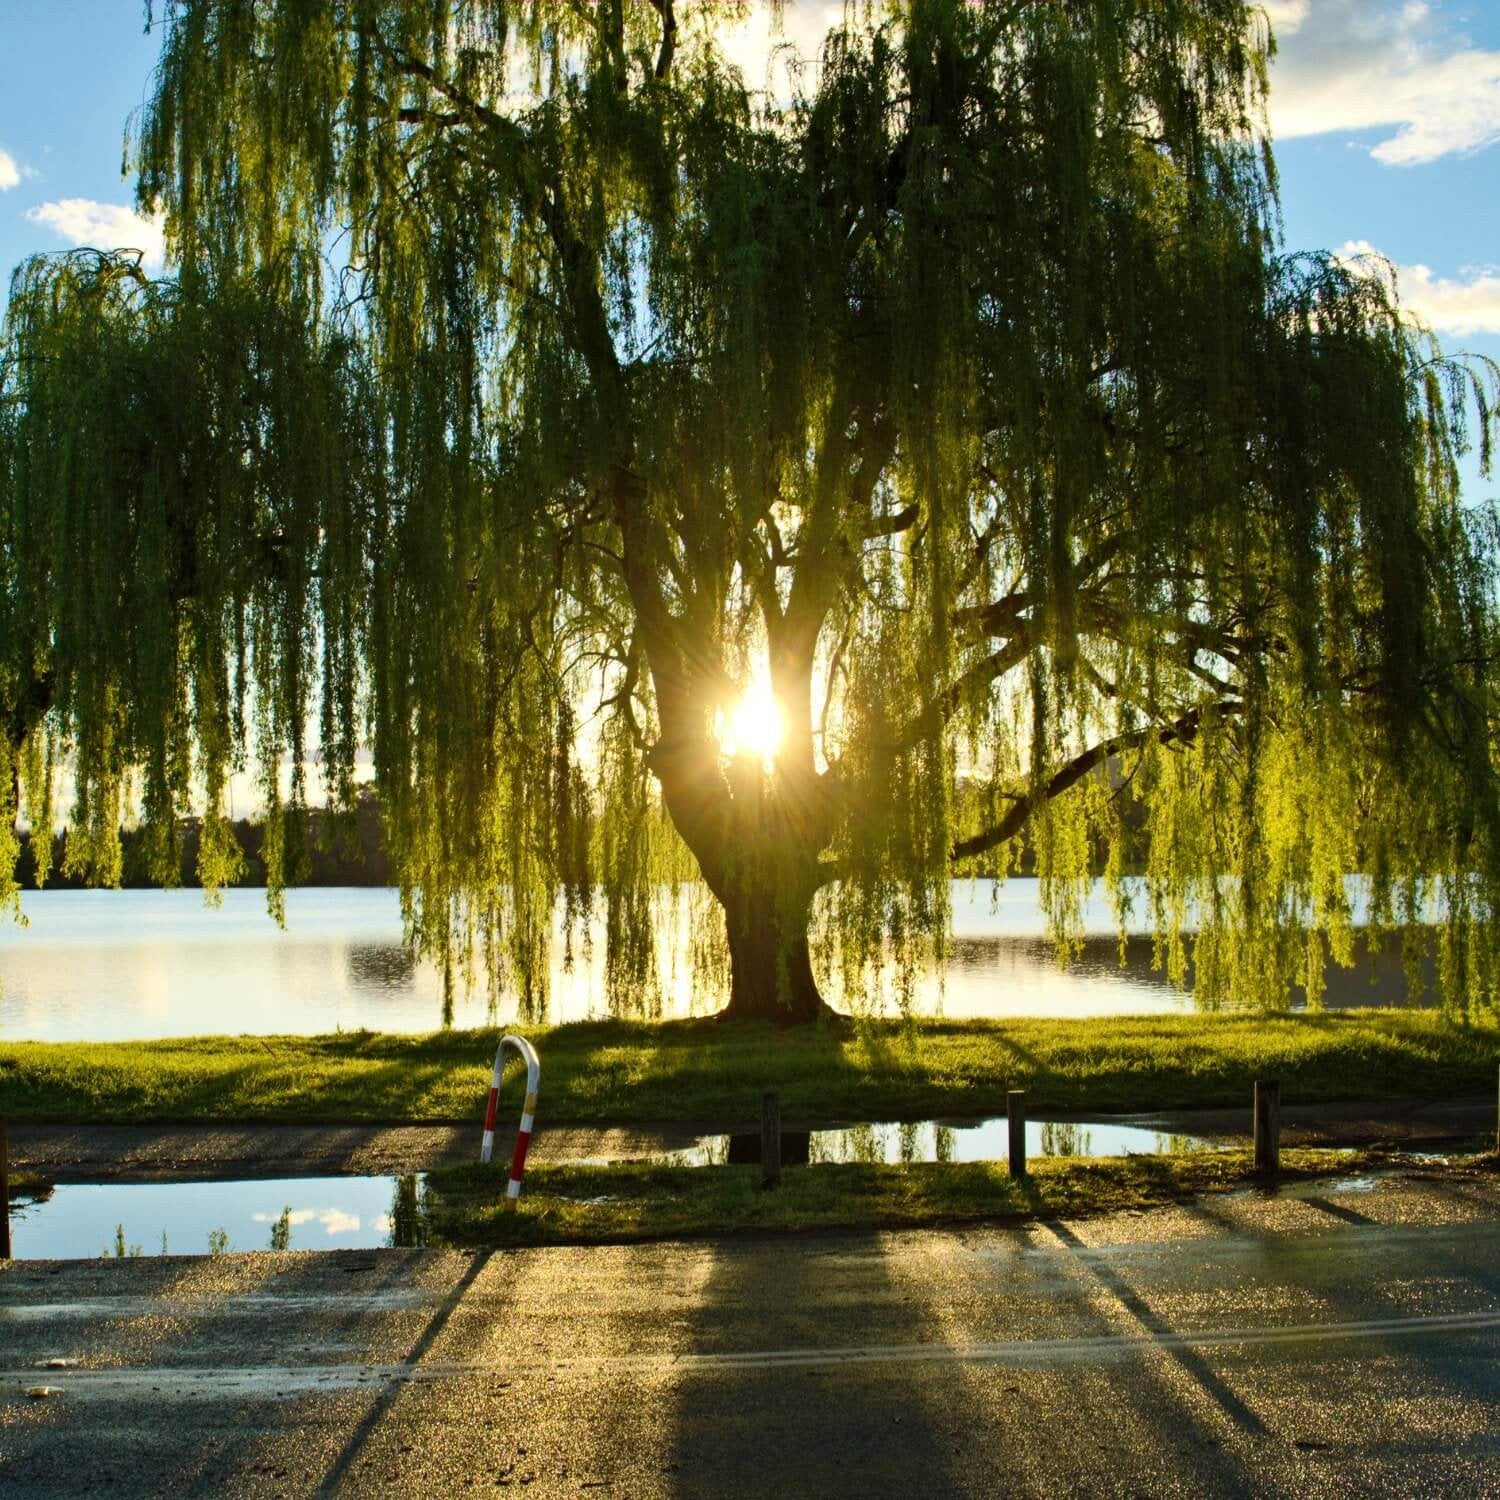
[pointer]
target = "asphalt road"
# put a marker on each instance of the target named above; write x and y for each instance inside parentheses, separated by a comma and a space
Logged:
(1343, 1341)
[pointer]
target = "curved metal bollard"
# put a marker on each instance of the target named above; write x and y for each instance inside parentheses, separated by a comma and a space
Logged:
(527, 1053)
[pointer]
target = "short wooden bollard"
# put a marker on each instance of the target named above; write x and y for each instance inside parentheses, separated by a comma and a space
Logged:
(1015, 1113)
(1497, 1126)
(4, 1189)
(1268, 1126)
(770, 1139)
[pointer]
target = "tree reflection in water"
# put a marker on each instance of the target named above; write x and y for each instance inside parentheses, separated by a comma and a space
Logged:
(1064, 1138)
(409, 1212)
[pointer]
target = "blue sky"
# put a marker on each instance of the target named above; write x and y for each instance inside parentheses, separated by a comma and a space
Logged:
(1386, 115)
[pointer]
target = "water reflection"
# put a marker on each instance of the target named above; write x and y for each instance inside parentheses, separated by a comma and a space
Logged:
(383, 966)
(295, 1213)
(408, 1215)
(115, 965)
(937, 1140)
(1065, 1138)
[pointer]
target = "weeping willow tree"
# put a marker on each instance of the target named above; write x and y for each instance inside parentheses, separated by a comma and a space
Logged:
(179, 482)
(819, 484)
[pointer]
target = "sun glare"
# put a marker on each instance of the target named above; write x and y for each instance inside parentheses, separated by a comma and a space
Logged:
(752, 725)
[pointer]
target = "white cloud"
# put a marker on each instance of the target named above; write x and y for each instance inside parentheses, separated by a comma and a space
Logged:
(1467, 304)
(334, 1220)
(1399, 67)
(1388, 65)
(753, 41)
(103, 226)
(10, 173)
(1286, 15)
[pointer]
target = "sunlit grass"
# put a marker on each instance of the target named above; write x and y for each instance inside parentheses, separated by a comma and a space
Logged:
(622, 1072)
(592, 1205)
(28, 1185)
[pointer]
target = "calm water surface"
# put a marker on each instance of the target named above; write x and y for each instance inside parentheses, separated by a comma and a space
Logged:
(939, 1140)
(116, 965)
(193, 1218)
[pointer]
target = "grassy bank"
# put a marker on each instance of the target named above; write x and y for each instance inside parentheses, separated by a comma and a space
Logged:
(618, 1072)
(28, 1185)
(617, 1204)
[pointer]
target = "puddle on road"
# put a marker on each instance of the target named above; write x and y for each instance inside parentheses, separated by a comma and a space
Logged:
(1320, 1187)
(1317, 1187)
(81, 1220)
(359, 1213)
(935, 1140)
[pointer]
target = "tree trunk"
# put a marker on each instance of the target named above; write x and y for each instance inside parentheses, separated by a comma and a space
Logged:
(771, 975)
(756, 834)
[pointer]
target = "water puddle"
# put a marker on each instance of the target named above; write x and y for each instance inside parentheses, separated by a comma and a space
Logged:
(935, 1140)
(1320, 1187)
(82, 1220)
(79, 1220)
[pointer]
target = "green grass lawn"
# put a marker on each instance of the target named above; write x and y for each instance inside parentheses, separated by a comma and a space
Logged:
(617, 1204)
(620, 1072)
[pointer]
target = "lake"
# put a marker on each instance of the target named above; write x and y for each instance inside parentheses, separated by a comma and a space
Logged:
(118, 965)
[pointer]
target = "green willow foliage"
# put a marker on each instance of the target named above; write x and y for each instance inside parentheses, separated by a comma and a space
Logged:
(180, 496)
(529, 376)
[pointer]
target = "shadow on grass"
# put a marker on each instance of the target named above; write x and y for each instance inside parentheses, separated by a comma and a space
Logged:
(615, 1072)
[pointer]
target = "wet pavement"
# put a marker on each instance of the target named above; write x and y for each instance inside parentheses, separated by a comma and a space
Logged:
(183, 1153)
(1341, 1339)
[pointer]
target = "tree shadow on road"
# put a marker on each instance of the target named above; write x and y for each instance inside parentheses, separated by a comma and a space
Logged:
(1188, 1360)
(355, 1444)
(789, 1421)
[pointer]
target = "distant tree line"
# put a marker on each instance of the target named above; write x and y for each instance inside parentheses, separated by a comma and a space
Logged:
(344, 848)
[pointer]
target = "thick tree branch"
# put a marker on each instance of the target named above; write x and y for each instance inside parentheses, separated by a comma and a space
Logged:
(1002, 617)
(413, 67)
(668, 37)
(1069, 775)
(894, 524)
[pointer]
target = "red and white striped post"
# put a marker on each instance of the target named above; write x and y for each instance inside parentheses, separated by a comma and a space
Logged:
(527, 1053)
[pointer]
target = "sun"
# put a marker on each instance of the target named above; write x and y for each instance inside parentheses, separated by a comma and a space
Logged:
(752, 725)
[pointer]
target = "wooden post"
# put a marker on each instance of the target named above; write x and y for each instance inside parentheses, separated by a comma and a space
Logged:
(1015, 1112)
(1497, 1130)
(1268, 1126)
(4, 1189)
(770, 1139)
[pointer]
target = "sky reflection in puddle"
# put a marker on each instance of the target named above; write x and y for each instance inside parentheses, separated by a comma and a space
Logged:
(83, 1220)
